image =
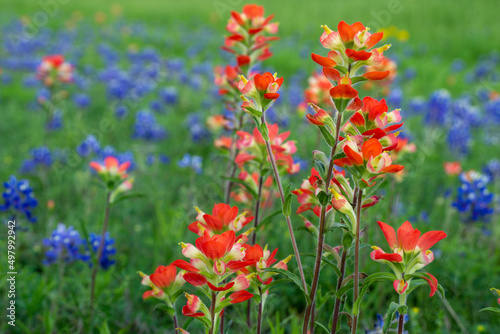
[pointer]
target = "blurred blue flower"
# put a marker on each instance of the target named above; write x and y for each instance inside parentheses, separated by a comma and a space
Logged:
(197, 129)
(147, 128)
(18, 198)
(108, 249)
(81, 100)
(194, 162)
(473, 199)
(65, 245)
(169, 95)
(88, 146)
(492, 169)
(437, 107)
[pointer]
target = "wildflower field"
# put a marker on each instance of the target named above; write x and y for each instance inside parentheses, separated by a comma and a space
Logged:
(230, 167)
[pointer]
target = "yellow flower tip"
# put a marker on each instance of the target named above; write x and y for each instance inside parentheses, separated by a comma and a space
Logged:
(183, 245)
(244, 98)
(325, 27)
(141, 273)
(252, 275)
(375, 247)
(275, 75)
(287, 259)
(242, 78)
(384, 48)
(415, 310)
(496, 290)
(197, 209)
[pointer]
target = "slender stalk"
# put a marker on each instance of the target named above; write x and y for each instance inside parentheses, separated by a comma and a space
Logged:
(401, 322)
(99, 254)
(257, 208)
(359, 200)
(288, 221)
(176, 324)
(231, 165)
(254, 238)
(259, 318)
(321, 234)
(336, 309)
(313, 315)
(212, 313)
(222, 324)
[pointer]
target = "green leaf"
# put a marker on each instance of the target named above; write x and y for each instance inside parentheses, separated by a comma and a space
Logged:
(253, 112)
(393, 307)
(287, 206)
(491, 309)
(341, 69)
(366, 284)
(294, 278)
(346, 116)
(104, 329)
(323, 327)
(343, 290)
(333, 265)
(355, 80)
(264, 131)
(327, 136)
(128, 196)
(323, 197)
(247, 187)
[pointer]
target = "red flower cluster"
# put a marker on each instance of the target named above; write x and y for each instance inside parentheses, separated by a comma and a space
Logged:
(249, 31)
(252, 149)
(220, 265)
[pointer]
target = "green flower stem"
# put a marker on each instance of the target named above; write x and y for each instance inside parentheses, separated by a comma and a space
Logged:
(401, 322)
(99, 254)
(359, 200)
(282, 196)
(321, 235)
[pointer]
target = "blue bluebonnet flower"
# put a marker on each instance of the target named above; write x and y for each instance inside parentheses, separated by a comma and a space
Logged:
(437, 107)
(474, 201)
(417, 105)
(410, 73)
(121, 111)
(55, 122)
(40, 157)
(377, 326)
(162, 158)
(194, 162)
(19, 198)
(81, 100)
(395, 97)
(146, 127)
(156, 106)
(492, 110)
(169, 95)
(457, 65)
(197, 129)
(88, 146)
(108, 249)
(65, 244)
(492, 169)
(459, 138)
